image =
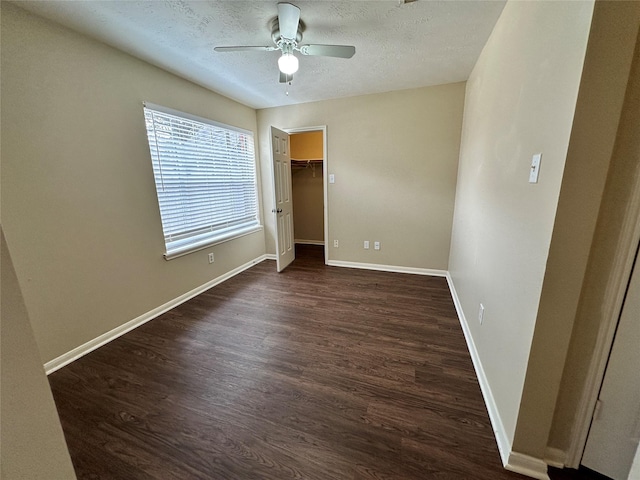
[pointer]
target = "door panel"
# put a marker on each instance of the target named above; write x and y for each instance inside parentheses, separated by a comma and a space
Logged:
(615, 428)
(285, 251)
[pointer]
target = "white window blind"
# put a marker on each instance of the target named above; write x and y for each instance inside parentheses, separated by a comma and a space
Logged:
(205, 177)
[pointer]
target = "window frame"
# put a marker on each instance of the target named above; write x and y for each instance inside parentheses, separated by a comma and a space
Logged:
(207, 239)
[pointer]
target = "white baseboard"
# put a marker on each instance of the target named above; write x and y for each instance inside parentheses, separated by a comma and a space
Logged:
(554, 457)
(105, 338)
(388, 268)
(526, 465)
(308, 242)
(513, 461)
(269, 256)
(504, 444)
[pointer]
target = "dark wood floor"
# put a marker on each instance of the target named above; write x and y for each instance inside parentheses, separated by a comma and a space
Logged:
(314, 373)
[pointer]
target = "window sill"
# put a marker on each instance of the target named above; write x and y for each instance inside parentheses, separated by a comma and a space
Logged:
(210, 242)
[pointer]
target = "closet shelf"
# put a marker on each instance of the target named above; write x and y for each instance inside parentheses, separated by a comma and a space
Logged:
(299, 164)
(305, 161)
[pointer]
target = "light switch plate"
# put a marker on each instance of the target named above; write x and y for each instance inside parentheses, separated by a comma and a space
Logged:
(535, 168)
(332, 178)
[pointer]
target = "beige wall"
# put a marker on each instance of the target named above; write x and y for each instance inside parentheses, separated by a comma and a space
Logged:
(308, 203)
(394, 157)
(33, 444)
(31, 438)
(611, 49)
(520, 100)
(79, 202)
(307, 187)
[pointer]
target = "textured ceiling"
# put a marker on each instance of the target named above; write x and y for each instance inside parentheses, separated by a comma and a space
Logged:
(398, 46)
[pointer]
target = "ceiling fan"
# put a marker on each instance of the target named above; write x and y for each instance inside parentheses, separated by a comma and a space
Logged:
(286, 32)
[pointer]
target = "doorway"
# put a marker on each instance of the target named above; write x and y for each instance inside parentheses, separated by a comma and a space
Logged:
(308, 149)
(612, 443)
(613, 269)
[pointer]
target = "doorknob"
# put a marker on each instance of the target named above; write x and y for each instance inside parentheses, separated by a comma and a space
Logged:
(279, 210)
(273, 210)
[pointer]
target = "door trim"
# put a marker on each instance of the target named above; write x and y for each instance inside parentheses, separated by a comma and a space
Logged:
(616, 289)
(325, 190)
(612, 306)
(621, 268)
(620, 374)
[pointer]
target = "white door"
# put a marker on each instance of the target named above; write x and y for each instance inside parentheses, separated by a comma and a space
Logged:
(615, 428)
(285, 250)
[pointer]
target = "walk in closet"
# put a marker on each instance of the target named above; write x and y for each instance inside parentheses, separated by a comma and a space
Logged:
(307, 187)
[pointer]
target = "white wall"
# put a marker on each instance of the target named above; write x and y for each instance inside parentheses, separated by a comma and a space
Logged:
(520, 100)
(79, 203)
(634, 474)
(394, 157)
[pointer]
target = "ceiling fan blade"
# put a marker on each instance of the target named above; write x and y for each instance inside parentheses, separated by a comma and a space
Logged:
(244, 48)
(288, 19)
(340, 51)
(284, 78)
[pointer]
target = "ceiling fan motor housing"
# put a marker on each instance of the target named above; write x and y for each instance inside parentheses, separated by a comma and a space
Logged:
(277, 38)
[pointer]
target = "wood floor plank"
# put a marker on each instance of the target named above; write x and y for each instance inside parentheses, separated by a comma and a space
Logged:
(314, 373)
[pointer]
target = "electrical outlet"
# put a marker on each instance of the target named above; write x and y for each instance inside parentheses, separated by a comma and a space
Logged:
(211, 258)
(376, 245)
(481, 314)
(335, 244)
(366, 244)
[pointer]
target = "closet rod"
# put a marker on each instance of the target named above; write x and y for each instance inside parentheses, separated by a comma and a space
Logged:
(297, 161)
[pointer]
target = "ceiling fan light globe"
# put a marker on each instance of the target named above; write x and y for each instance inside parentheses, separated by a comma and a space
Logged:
(288, 63)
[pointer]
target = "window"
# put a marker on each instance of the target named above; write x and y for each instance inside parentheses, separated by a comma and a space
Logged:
(205, 176)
